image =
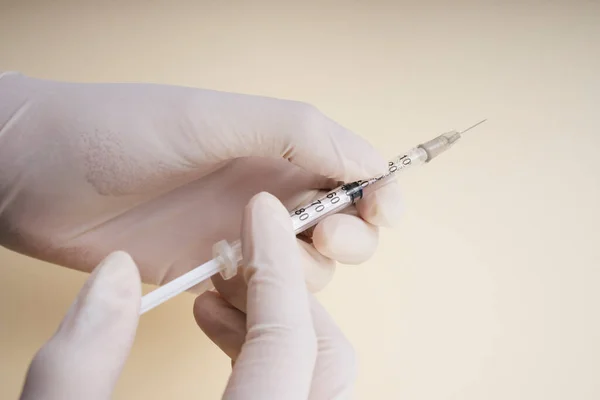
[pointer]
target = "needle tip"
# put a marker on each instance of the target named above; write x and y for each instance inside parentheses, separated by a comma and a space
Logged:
(473, 126)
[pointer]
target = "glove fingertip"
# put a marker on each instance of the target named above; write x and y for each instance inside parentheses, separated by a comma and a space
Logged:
(118, 276)
(346, 239)
(382, 207)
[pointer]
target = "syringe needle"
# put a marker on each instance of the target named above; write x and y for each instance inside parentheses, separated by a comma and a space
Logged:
(473, 126)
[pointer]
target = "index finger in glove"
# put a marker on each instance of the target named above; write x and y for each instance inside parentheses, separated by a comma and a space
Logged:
(285, 326)
(351, 237)
(86, 355)
(268, 127)
(201, 127)
(280, 349)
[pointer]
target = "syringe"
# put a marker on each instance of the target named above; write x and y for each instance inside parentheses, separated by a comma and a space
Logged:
(228, 256)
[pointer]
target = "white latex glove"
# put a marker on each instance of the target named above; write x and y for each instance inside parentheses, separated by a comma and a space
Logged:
(84, 358)
(287, 348)
(164, 172)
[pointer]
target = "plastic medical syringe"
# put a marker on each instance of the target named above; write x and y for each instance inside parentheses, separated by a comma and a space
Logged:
(228, 257)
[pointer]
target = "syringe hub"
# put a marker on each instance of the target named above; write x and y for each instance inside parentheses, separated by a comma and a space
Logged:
(229, 257)
(438, 145)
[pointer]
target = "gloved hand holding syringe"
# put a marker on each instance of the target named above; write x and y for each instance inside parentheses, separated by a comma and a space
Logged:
(228, 256)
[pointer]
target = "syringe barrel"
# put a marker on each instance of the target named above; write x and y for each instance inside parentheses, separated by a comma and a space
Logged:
(229, 255)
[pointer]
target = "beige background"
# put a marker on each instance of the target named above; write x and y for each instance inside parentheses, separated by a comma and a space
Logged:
(489, 290)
